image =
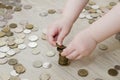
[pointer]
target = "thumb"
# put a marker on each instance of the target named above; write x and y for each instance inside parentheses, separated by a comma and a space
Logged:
(61, 37)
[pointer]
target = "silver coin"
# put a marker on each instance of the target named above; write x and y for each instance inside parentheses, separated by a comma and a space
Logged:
(3, 61)
(28, 6)
(22, 46)
(4, 49)
(13, 73)
(36, 51)
(2, 55)
(33, 37)
(44, 76)
(32, 44)
(37, 64)
(47, 65)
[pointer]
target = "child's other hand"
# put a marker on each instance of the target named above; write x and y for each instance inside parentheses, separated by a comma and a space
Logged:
(58, 30)
(82, 45)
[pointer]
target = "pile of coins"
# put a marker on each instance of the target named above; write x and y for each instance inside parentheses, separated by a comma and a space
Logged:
(92, 11)
(18, 68)
(62, 59)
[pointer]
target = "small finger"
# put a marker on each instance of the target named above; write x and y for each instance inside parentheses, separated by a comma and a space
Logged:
(73, 55)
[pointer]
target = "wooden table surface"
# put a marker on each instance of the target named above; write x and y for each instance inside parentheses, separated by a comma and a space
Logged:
(97, 64)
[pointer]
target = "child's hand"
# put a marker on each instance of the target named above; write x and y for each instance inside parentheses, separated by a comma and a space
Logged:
(82, 45)
(58, 30)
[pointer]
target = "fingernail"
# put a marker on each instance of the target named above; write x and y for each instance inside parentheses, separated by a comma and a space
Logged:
(58, 43)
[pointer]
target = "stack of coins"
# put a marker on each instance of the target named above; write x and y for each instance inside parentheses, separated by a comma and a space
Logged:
(62, 59)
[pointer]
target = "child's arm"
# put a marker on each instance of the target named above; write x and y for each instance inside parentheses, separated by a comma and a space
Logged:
(108, 25)
(73, 8)
(85, 41)
(59, 29)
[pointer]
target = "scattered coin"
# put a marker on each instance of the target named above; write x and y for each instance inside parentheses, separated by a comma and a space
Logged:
(2, 55)
(2, 43)
(11, 52)
(82, 15)
(43, 13)
(18, 29)
(35, 29)
(13, 73)
(88, 16)
(45, 76)
(29, 26)
(19, 68)
(95, 7)
(2, 34)
(98, 79)
(14, 46)
(2, 23)
(33, 37)
(6, 29)
(19, 41)
(11, 38)
(36, 51)
(17, 9)
(47, 65)
(37, 64)
(103, 47)
(112, 72)
(50, 54)
(4, 49)
(10, 43)
(3, 61)
(8, 34)
(13, 25)
(27, 31)
(12, 61)
(16, 50)
(21, 35)
(112, 3)
(44, 31)
(83, 72)
(32, 44)
(28, 6)
(117, 67)
(91, 21)
(14, 78)
(22, 46)
(51, 11)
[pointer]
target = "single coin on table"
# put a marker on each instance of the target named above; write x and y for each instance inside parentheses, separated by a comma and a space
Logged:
(22, 46)
(3, 61)
(103, 47)
(13, 25)
(19, 41)
(4, 49)
(32, 44)
(14, 78)
(27, 31)
(27, 6)
(44, 76)
(29, 26)
(112, 72)
(37, 64)
(50, 54)
(13, 73)
(83, 72)
(33, 37)
(19, 68)
(11, 52)
(36, 51)
(2, 55)
(21, 35)
(18, 29)
(43, 13)
(12, 61)
(43, 36)
(47, 65)
(51, 11)
(117, 67)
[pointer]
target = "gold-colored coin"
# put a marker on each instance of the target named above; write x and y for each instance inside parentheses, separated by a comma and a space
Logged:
(92, 11)
(29, 26)
(88, 8)
(103, 47)
(12, 61)
(112, 72)
(43, 37)
(17, 9)
(13, 25)
(14, 46)
(19, 68)
(51, 11)
(9, 7)
(2, 34)
(112, 3)
(91, 21)
(91, 3)
(6, 29)
(8, 34)
(83, 72)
